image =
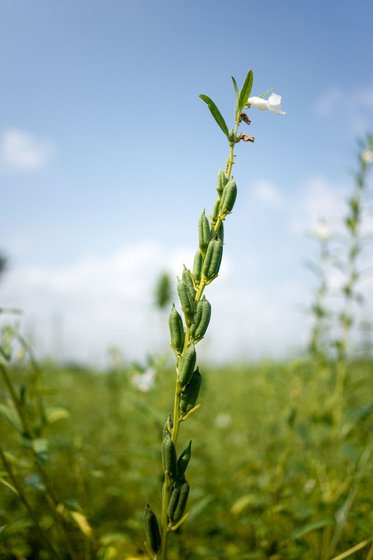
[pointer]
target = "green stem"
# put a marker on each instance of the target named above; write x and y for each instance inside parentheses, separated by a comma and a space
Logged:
(166, 490)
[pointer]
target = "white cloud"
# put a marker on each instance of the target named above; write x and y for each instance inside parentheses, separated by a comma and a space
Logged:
(354, 107)
(318, 199)
(79, 311)
(267, 192)
(20, 150)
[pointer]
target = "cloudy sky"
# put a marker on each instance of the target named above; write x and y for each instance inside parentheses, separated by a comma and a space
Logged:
(108, 156)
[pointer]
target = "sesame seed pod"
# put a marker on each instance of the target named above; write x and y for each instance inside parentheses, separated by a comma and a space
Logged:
(153, 536)
(197, 266)
(167, 426)
(222, 180)
(204, 233)
(221, 232)
(182, 501)
(183, 460)
(190, 393)
(213, 258)
(169, 460)
(228, 197)
(187, 302)
(176, 330)
(215, 212)
(187, 364)
(172, 504)
(201, 320)
(188, 280)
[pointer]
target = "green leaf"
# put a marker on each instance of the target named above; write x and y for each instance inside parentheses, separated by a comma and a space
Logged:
(266, 92)
(216, 114)
(8, 485)
(245, 92)
(235, 87)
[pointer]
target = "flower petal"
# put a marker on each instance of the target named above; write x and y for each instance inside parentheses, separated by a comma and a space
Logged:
(274, 104)
(258, 103)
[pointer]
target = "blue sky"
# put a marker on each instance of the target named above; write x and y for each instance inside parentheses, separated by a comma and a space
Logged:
(108, 156)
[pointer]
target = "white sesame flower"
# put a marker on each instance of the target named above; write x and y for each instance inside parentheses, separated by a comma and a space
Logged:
(367, 156)
(273, 103)
(144, 381)
(322, 231)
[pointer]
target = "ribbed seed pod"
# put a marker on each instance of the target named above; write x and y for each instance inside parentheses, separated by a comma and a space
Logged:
(183, 460)
(176, 330)
(178, 501)
(188, 280)
(187, 302)
(213, 258)
(204, 233)
(221, 232)
(187, 364)
(153, 536)
(201, 320)
(215, 212)
(228, 197)
(167, 426)
(169, 460)
(222, 181)
(197, 266)
(190, 393)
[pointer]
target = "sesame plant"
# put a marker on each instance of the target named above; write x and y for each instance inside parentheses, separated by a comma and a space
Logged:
(188, 328)
(350, 266)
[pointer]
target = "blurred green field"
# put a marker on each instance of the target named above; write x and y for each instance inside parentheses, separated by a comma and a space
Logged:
(270, 475)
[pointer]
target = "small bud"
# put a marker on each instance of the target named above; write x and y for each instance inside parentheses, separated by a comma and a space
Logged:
(246, 138)
(190, 393)
(213, 259)
(197, 266)
(187, 364)
(245, 118)
(183, 460)
(204, 233)
(229, 197)
(153, 536)
(169, 460)
(176, 330)
(201, 320)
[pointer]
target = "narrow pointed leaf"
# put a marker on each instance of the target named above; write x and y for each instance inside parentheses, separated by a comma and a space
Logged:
(245, 91)
(215, 113)
(266, 92)
(237, 92)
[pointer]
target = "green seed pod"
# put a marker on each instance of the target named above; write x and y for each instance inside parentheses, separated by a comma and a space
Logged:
(228, 197)
(172, 504)
(222, 181)
(197, 266)
(201, 320)
(212, 260)
(204, 233)
(187, 301)
(169, 460)
(187, 364)
(181, 502)
(176, 330)
(153, 536)
(188, 280)
(167, 426)
(221, 232)
(183, 460)
(190, 393)
(215, 212)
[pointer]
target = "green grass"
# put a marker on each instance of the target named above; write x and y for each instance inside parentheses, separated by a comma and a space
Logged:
(271, 477)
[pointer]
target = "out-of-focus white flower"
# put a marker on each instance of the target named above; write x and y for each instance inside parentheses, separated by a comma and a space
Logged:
(223, 420)
(273, 103)
(367, 156)
(322, 231)
(144, 381)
